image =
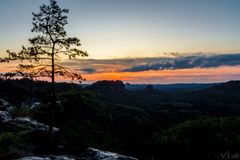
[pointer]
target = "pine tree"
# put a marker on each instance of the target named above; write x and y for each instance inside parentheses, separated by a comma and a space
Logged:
(46, 48)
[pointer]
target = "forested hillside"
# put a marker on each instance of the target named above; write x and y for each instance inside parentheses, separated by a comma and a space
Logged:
(148, 123)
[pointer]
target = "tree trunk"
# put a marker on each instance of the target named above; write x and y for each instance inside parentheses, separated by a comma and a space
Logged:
(53, 105)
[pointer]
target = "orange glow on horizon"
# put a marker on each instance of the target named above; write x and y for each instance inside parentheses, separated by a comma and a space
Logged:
(170, 76)
(193, 75)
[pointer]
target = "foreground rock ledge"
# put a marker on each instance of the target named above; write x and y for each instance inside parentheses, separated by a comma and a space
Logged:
(47, 158)
(92, 154)
(27, 124)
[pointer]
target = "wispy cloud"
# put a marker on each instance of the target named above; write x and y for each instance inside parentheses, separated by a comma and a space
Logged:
(175, 61)
(88, 70)
(194, 61)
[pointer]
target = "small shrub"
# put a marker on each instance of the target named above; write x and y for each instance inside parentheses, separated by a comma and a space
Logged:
(20, 112)
(10, 145)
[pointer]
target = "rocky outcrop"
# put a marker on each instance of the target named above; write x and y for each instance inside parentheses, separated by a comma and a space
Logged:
(47, 158)
(27, 124)
(4, 116)
(37, 129)
(92, 154)
(36, 105)
(20, 123)
(5, 106)
(96, 154)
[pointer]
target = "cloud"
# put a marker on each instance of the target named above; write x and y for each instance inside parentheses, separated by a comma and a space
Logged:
(176, 61)
(185, 62)
(88, 70)
(171, 54)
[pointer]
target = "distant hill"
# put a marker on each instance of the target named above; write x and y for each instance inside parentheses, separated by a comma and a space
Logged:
(172, 87)
(221, 98)
(233, 86)
(145, 121)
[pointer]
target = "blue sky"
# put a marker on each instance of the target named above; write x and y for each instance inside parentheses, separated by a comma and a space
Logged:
(134, 28)
(132, 40)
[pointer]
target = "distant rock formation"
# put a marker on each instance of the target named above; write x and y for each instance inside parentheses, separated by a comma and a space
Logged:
(107, 86)
(149, 87)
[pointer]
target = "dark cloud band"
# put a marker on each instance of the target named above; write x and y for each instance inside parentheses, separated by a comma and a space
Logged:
(177, 61)
(195, 61)
(87, 70)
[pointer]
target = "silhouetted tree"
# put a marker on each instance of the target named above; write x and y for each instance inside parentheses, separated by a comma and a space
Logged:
(46, 48)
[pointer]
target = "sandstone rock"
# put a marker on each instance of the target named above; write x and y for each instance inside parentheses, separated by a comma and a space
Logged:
(96, 154)
(4, 116)
(36, 105)
(92, 154)
(47, 158)
(5, 106)
(27, 124)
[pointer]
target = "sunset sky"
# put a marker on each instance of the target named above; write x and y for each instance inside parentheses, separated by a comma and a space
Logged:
(140, 41)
